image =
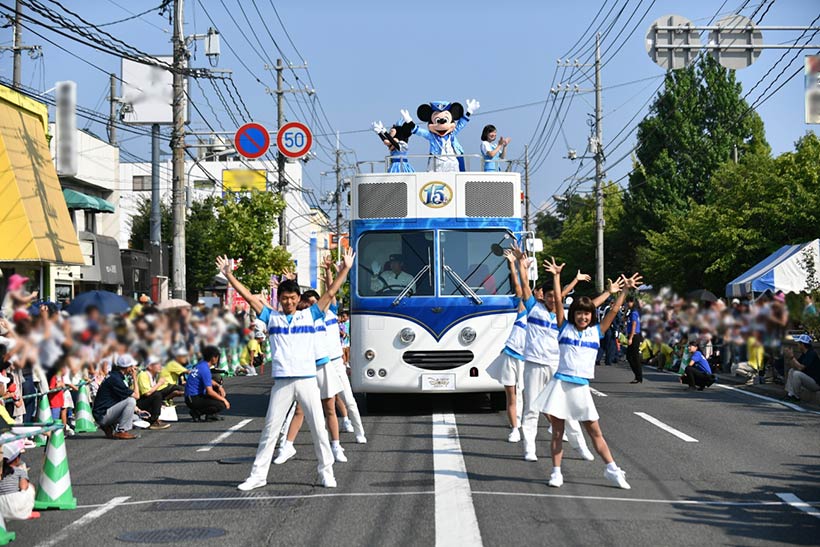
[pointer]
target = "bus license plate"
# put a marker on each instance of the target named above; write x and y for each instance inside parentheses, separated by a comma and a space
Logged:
(438, 382)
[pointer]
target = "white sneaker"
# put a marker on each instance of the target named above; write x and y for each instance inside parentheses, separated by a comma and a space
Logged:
(585, 453)
(347, 425)
(252, 483)
(514, 436)
(618, 478)
(529, 452)
(327, 480)
(361, 439)
(338, 453)
(556, 479)
(286, 452)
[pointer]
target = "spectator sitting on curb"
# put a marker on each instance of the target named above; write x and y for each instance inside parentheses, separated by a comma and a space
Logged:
(115, 402)
(252, 355)
(805, 369)
(151, 391)
(16, 491)
(176, 368)
(202, 398)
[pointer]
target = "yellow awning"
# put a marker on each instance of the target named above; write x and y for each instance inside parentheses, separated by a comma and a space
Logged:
(34, 221)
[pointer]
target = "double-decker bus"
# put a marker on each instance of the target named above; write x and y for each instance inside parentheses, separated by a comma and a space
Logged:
(431, 297)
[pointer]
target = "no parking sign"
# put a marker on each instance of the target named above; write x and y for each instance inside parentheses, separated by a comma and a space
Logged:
(252, 140)
(294, 140)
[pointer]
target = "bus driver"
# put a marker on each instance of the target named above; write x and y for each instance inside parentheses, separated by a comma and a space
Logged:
(394, 280)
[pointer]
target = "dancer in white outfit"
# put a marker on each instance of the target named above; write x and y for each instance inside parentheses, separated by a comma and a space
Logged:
(292, 335)
(541, 354)
(567, 396)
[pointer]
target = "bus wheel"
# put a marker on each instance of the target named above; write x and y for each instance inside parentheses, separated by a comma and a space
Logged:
(498, 401)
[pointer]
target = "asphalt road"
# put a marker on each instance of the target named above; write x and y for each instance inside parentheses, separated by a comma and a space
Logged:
(408, 485)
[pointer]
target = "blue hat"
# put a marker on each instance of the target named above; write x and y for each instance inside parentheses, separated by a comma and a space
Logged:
(440, 106)
(803, 339)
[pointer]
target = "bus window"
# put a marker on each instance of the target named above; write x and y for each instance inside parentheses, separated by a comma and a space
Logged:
(388, 262)
(476, 257)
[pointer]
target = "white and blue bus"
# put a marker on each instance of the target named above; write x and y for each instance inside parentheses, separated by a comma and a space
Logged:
(431, 298)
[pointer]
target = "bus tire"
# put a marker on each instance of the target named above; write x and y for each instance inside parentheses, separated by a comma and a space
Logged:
(498, 401)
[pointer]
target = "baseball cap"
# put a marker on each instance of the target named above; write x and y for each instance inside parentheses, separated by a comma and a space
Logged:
(151, 359)
(803, 339)
(20, 315)
(259, 333)
(180, 351)
(125, 361)
(780, 297)
(735, 301)
(16, 281)
(11, 449)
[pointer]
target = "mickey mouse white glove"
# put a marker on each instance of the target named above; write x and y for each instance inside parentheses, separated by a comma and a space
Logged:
(377, 127)
(472, 106)
(375, 267)
(405, 115)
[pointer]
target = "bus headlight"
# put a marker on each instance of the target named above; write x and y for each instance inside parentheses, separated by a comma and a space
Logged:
(370, 355)
(407, 335)
(468, 335)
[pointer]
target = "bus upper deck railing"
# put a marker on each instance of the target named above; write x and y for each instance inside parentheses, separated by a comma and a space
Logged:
(470, 161)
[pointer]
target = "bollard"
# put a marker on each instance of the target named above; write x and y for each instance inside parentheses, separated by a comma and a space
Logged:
(84, 420)
(54, 489)
(44, 417)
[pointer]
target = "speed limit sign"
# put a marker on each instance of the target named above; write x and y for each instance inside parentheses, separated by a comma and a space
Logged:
(294, 140)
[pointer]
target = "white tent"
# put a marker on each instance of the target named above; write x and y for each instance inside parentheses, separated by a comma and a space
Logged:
(784, 270)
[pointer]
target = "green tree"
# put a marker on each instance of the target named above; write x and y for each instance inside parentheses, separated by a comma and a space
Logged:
(203, 242)
(693, 128)
(751, 209)
(141, 224)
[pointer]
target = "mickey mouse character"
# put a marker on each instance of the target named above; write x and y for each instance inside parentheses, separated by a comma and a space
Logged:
(444, 121)
(396, 141)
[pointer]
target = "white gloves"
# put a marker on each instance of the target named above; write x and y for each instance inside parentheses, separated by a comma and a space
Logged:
(405, 115)
(375, 267)
(377, 127)
(472, 106)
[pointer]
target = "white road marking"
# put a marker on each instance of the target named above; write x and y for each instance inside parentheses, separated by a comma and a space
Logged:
(667, 428)
(750, 503)
(224, 436)
(597, 393)
(792, 406)
(797, 503)
(456, 522)
(83, 520)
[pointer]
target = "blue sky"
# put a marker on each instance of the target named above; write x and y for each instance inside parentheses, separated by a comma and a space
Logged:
(369, 59)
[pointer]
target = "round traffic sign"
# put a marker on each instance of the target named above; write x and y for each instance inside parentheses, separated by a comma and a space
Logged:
(672, 42)
(294, 140)
(252, 140)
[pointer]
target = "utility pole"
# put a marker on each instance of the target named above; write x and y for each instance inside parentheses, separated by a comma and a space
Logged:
(156, 214)
(18, 44)
(599, 173)
(280, 158)
(112, 110)
(178, 149)
(338, 200)
(280, 121)
(526, 188)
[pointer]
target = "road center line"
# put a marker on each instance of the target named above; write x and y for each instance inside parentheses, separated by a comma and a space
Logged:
(598, 393)
(667, 428)
(799, 504)
(83, 521)
(224, 436)
(456, 522)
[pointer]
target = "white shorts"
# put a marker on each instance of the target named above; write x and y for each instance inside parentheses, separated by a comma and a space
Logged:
(340, 368)
(567, 401)
(329, 382)
(507, 370)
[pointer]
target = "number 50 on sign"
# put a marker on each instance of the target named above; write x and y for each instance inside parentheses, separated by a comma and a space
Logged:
(294, 140)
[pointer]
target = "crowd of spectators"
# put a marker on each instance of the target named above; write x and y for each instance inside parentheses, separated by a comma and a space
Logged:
(756, 339)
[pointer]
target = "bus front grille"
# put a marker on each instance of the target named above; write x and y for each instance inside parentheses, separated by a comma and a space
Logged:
(437, 360)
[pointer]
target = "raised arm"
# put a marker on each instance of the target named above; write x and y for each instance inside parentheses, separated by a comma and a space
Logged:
(554, 268)
(523, 269)
(330, 294)
(223, 263)
(578, 277)
(328, 266)
(619, 286)
(516, 284)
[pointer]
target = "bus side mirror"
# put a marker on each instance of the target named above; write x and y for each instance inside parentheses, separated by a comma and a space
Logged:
(533, 270)
(534, 245)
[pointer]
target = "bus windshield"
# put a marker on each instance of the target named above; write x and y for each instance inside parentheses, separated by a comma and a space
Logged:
(389, 262)
(474, 260)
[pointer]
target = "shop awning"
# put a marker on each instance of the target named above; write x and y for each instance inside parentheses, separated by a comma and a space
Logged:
(78, 200)
(34, 222)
